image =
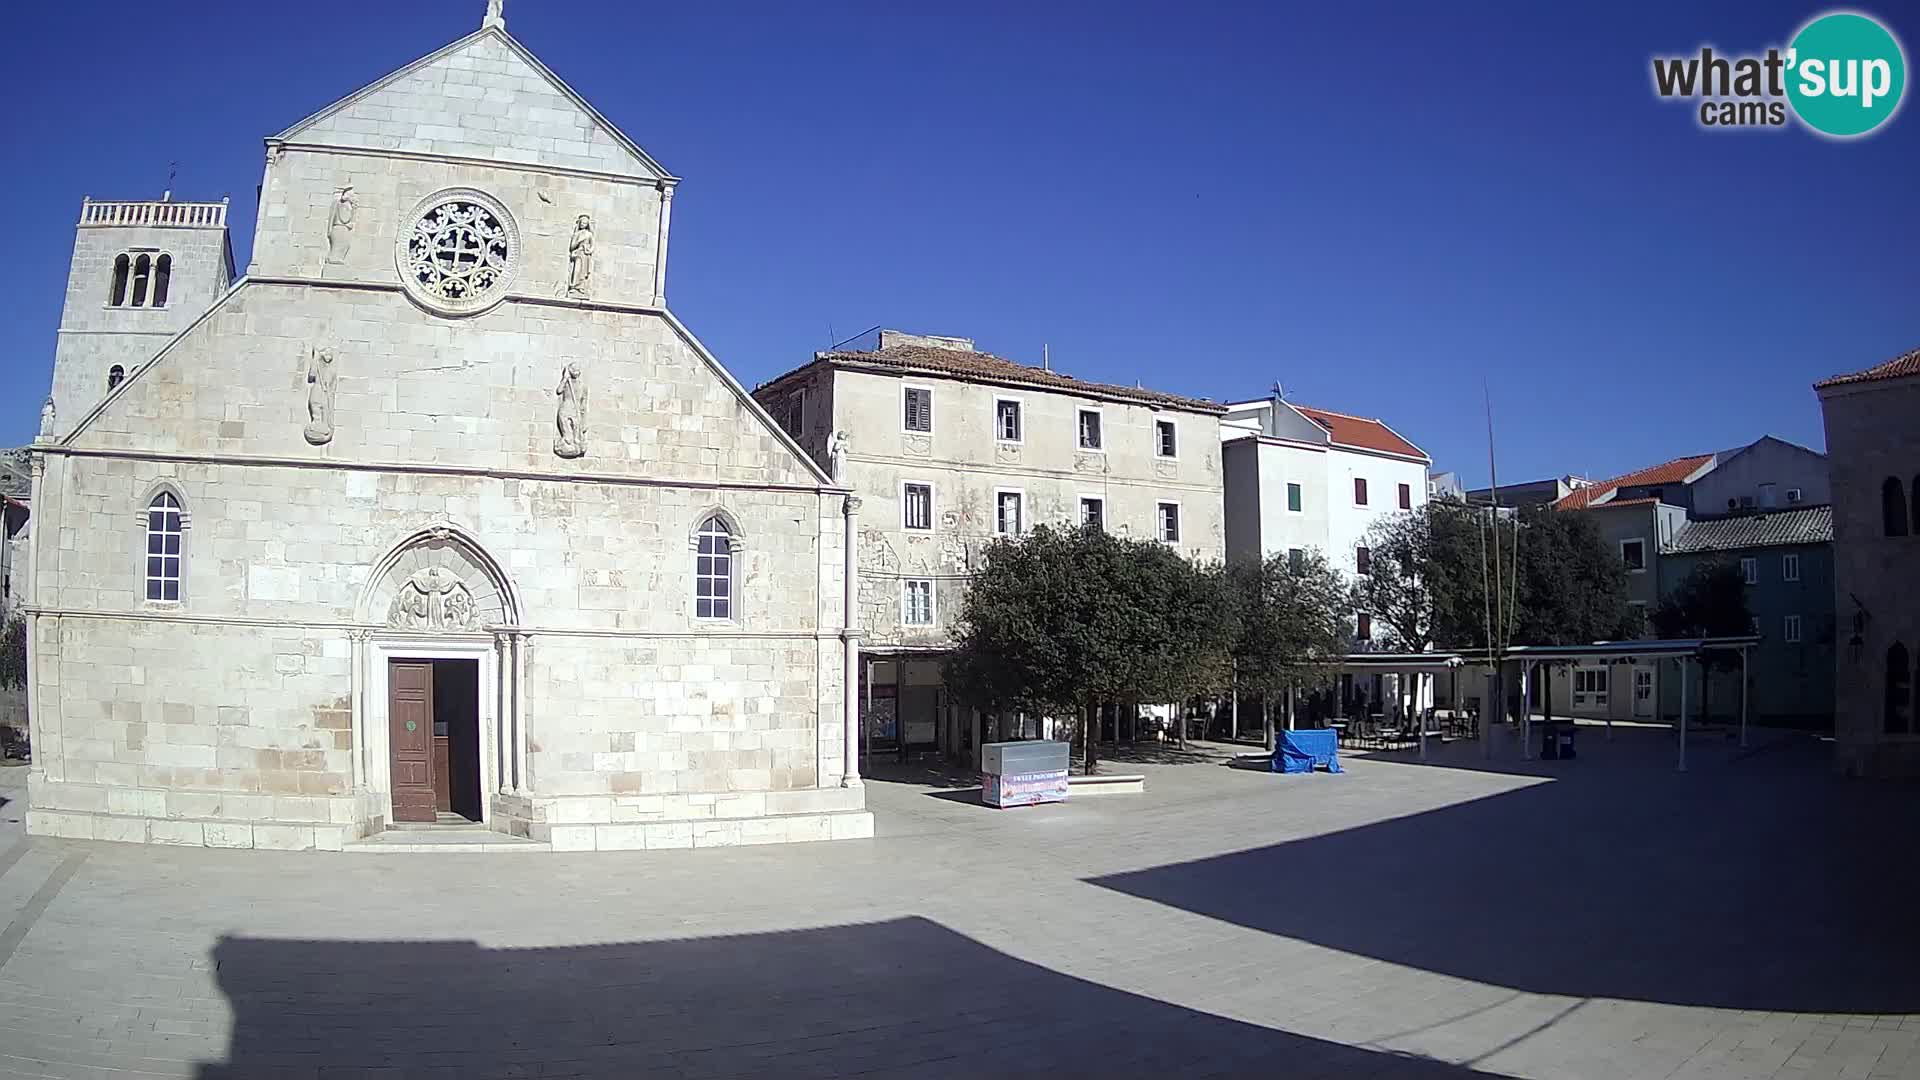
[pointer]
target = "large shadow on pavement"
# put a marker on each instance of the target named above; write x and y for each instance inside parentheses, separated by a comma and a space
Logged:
(901, 998)
(1777, 889)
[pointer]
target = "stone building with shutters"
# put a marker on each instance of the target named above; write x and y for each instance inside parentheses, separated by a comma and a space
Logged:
(949, 447)
(1873, 448)
(437, 515)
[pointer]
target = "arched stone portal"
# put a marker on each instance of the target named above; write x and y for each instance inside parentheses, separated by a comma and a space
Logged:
(439, 666)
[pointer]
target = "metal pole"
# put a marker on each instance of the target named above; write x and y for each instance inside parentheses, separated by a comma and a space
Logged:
(1528, 672)
(1234, 710)
(1683, 714)
(1419, 717)
(1746, 691)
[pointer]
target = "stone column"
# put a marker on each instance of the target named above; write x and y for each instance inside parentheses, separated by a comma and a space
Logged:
(522, 768)
(850, 639)
(507, 773)
(660, 247)
(357, 640)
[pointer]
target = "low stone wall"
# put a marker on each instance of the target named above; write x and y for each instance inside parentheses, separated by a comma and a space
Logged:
(646, 822)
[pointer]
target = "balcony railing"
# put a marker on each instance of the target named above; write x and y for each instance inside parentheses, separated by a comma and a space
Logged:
(163, 214)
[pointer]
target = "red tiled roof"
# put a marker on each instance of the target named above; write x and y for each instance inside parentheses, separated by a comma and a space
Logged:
(1361, 431)
(1908, 364)
(1669, 472)
(963, 364)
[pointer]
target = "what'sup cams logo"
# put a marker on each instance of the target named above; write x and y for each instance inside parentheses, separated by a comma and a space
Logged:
(1843, 76)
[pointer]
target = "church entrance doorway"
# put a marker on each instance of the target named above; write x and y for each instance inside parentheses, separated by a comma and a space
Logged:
(434, 739)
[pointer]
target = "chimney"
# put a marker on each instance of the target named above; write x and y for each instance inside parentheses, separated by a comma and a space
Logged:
(891, 338)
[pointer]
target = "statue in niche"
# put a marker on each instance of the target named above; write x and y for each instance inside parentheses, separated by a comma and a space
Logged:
(580, 259)
(433, 599)
(837, 455)
(321, 378)
(340, 226)
(570, 415)
(46, 417)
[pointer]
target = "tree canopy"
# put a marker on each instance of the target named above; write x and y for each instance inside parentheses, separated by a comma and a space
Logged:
(1289, 615)
(1058, 622)
(1711, 601)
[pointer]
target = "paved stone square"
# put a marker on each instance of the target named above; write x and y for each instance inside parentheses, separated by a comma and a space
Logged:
(1607, 917)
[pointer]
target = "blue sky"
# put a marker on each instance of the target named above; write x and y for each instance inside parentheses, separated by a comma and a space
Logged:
(1378, 207)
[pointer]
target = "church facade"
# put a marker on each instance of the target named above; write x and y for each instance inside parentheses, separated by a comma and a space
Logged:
(435, 516)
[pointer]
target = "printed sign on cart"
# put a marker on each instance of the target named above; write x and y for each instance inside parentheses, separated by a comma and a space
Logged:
(1024, 789)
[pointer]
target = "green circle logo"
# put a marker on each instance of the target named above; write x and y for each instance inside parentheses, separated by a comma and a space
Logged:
(1845, 74)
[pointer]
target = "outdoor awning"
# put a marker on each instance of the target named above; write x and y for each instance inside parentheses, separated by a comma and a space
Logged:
(1652, 648)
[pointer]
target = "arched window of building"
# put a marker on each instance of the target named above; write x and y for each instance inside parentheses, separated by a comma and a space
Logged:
(162, 279)
(115, 376)
(713, 570)
(142, 278)
(1893, 507)
(1899, 690)
(165, 536)
(121, 267)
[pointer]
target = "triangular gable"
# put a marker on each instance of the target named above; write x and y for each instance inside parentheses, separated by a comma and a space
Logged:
(429, 105)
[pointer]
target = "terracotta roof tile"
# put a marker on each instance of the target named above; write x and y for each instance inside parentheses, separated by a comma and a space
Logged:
(1806, 525)
(1908, 364)
(1667, 472)
(1361, 431)
(979, 365)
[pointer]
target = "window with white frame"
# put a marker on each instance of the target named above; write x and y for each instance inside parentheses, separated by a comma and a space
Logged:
(713, 570)
(1363, 626)
(1093, 513)
(1166, 440)
(165, 538)
(1090, 433)
(1750, 571)
(916, 506)
(1007, 421)
(1296, 560)
(1169, 522)
(1009, 513)
(1790, 633)
(916, 409)
(1590, 686)
(916, 602)
(1789, 568)
(1363, 561)
(1634, 554)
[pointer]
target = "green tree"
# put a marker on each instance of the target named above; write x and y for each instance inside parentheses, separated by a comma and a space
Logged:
(1711, 601)
(13, 653)
(1573, 584)
(1290, 618)
(1398, 585)
(1061, 622)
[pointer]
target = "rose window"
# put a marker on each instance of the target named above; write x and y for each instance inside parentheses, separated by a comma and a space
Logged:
(459, 255)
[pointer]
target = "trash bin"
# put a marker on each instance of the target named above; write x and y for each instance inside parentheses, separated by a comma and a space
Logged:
(1565, 740)
(1549, 742)
(1023, 773)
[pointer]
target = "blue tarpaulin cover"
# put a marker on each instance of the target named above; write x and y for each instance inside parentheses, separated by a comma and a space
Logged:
(1300, 751)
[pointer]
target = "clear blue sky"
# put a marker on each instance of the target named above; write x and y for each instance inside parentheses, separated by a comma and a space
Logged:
(1377, 208)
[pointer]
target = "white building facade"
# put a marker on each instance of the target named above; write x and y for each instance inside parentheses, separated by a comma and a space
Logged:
(438, 515)
(1299, 479)
(948, 448)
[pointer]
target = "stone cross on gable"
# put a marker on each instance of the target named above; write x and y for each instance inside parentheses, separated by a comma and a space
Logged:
(495, 16)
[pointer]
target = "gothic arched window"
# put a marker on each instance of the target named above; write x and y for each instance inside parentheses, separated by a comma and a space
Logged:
(1893, 507)
(1899, 690)
(162, 279)
(713, 570)
(115, 376)
(121, 267)
(166, 533)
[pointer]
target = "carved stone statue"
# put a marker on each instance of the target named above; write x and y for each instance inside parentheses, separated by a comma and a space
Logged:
(580, 259)
(570, 416)
(340, 226)
(495, 16)
(46, 417)
(837, 455)
(321, 377)
(433, 599)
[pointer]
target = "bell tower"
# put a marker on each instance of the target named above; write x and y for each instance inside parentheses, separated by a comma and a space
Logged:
(141, 273)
